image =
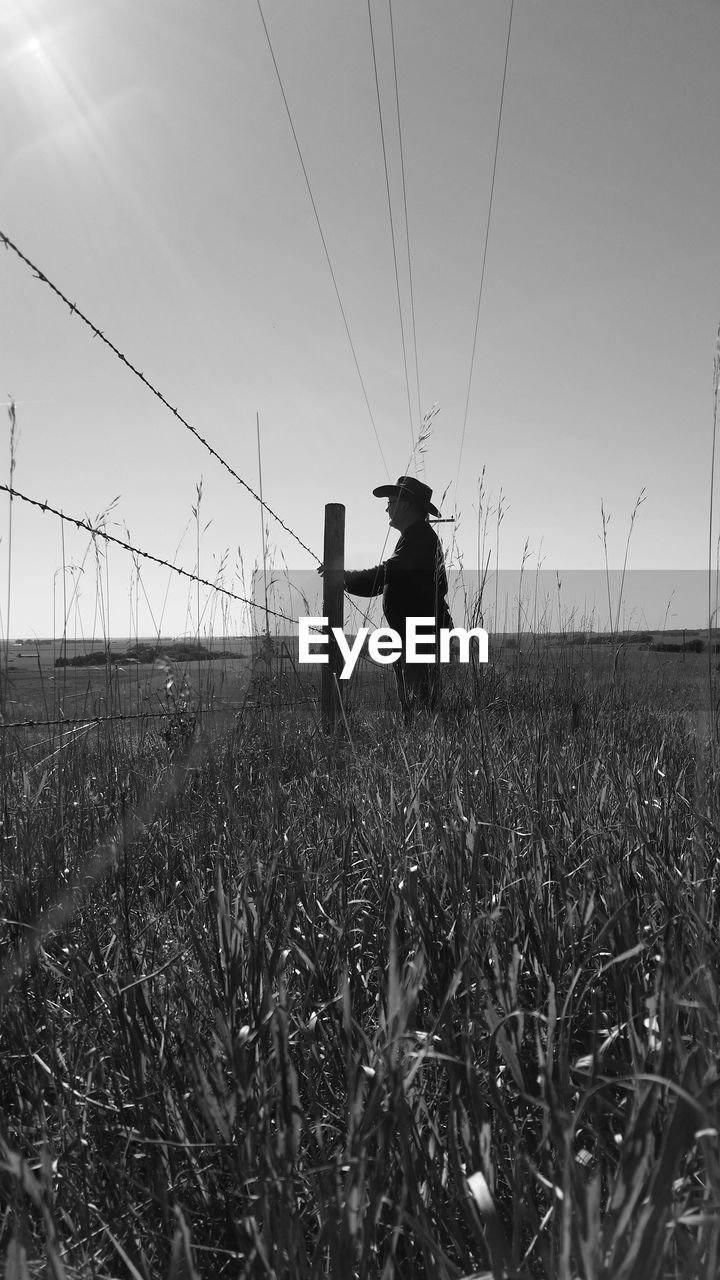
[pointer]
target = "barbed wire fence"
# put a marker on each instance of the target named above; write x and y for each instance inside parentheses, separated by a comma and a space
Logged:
(97, 531)
(97, 333)
(108, 851)
(285, 662)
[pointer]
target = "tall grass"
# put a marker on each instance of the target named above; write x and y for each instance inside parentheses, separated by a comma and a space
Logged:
(437, 1002)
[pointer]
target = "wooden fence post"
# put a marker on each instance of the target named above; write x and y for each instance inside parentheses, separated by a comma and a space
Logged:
(333, 607)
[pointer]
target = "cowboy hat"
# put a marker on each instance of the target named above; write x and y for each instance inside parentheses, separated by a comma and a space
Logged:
(410, 489)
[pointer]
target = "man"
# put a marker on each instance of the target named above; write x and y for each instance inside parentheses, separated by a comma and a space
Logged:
(413, 583)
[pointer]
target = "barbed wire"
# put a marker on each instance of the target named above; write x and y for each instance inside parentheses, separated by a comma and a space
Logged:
(87, 722)
(75, 310)
(82, 524)
(146, 555)
(44, 506)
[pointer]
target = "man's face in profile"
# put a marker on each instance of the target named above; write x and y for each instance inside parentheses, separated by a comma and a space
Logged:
(394, 508)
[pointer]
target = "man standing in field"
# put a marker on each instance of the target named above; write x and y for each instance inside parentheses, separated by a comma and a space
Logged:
(413, 583)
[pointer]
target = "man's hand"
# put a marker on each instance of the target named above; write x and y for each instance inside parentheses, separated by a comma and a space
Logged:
(321, 571)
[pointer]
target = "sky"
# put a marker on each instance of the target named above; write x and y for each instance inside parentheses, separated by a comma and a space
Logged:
(148, 169)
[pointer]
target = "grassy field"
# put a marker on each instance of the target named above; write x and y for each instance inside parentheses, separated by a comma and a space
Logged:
(35, 687)
(437, 1001)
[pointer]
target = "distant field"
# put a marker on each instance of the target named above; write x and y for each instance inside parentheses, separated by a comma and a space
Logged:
(38, 689)
(666, 678)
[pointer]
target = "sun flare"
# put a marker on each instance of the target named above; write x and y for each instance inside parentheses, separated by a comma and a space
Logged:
(34, 48)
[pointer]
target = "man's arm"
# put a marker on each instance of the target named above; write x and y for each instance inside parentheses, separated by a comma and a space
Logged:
(365, 582)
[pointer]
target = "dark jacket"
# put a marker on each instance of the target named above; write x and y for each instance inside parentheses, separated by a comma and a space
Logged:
(413, 581)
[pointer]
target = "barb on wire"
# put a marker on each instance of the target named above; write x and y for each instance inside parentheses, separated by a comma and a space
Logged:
(146, 555)
(75, 310)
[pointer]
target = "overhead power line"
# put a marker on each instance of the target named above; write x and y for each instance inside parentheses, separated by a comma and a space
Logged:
(487, 239)
(407, 222)
(392, 225)
(127, 546)
(75, 310)
(322, 234)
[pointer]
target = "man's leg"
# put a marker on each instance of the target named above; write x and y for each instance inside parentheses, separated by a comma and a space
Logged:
(400, 670)
(417, 685)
